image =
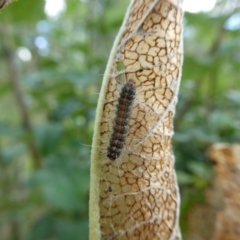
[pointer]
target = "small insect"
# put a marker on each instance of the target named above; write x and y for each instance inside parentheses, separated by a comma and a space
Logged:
(121, 120)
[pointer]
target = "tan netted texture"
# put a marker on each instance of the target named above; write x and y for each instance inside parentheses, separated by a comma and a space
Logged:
(226, 160)
(137, 192)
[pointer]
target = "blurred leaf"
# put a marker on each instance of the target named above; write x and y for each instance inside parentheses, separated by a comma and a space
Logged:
(20, 12)
(61, 229)
(53, 77)
(200, 170)
(48, 137)
(234, 95)
(184, 178)
(12, 152)
(59, 191)
(8, 130)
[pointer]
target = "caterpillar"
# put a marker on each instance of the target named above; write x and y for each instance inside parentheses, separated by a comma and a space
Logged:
(121, 120)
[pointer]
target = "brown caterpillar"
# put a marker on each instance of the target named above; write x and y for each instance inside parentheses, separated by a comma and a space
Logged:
(121, 120)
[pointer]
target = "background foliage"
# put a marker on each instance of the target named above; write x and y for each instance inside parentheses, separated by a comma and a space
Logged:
(48, 102)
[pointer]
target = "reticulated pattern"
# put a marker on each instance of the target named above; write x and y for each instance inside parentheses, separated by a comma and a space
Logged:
(139, 197)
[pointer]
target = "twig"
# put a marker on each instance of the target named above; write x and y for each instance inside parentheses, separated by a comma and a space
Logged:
(14, 78)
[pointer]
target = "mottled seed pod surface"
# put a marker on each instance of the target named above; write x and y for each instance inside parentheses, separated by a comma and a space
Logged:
(134, 193)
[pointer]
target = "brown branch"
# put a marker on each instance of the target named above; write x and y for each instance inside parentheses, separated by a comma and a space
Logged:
(14, 78)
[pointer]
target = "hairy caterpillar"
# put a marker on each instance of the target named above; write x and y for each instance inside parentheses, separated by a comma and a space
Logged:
(121, 120)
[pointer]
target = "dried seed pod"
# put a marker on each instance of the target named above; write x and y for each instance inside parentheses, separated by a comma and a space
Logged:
(143, 200)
